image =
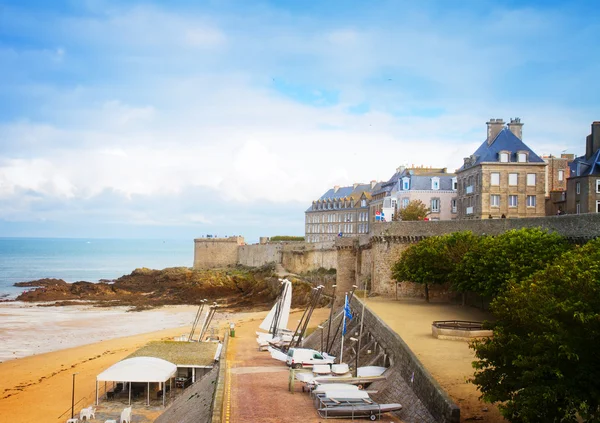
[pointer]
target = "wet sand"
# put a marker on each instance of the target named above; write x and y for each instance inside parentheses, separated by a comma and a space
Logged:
(37, 388)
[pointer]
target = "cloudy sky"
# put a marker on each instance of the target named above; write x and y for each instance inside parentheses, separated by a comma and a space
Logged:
(181, 118)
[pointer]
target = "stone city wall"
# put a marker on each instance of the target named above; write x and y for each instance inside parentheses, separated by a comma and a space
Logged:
(302, 257)
(213, 253)
(389, 240)
(260, 254)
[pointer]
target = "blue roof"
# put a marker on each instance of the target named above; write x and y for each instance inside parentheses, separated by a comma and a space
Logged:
(341, 193)
(587, 167)
(504, 141)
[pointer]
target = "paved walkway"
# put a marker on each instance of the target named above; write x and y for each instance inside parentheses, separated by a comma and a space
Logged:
(257, 385)
(449, 362)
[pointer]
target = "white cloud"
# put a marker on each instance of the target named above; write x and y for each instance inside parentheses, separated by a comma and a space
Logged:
(161, 103)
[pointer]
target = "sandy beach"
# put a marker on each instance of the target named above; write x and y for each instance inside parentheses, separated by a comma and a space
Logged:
(55, 342)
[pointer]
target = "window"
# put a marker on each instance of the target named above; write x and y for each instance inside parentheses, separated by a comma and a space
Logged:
(561, 175)
(394, 201)
(494, 200)
(531, 179)
(405, 202)
(363, 203)
(405, 183)
(578, 188)
(531, 201)
(598, 186)
(503, 157)
(454, 184)
(453, 205)
(522, 157)
(495, 179)
(435, 183)
(512, 201)
(513, 179)
(597, 206)
(578, 208)
(435, 205)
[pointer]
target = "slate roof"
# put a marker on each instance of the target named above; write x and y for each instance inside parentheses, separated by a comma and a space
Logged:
(423, 182)
(347, 192)
(587, 167)
(504, 141)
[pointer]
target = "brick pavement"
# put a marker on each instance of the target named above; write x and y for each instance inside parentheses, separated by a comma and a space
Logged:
(257, 385)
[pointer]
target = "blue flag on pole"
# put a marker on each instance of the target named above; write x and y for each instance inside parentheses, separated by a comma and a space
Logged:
(347, 314)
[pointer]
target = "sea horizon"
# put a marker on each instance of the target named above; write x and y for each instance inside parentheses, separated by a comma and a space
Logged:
(24, 259)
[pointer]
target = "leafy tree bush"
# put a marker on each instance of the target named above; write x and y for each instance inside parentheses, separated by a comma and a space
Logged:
(542, 365)
(286, 238)
(433, 260)
(415, 210)
(424, 262)
(493, 261)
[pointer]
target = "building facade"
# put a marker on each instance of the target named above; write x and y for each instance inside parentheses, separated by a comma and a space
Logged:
(556, 175)
(340, 212)
(503, 177)
(583, 185)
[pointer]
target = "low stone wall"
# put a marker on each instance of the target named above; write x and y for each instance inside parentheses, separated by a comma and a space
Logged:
(408, 381)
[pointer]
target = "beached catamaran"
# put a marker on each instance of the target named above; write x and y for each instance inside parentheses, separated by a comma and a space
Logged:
(277, 320)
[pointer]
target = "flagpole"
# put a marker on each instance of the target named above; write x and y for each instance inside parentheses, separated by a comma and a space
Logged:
(344, 327)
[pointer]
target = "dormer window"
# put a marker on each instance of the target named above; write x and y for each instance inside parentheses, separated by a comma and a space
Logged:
(363, 203)
(435, 183)
(406, 184)
(522, 157)
(504, 157)
(454, 184)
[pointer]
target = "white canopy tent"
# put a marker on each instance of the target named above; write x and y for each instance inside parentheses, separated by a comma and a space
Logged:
(139, 369)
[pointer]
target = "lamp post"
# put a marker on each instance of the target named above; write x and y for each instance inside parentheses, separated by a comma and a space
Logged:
(73, 396)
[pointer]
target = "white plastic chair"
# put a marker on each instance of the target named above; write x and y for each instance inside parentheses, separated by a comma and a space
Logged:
(126, 415)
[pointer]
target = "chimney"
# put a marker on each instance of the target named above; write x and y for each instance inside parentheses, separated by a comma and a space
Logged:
(494, 126)
(354, 185)
(593, 140)
(516, 127)
(373, 183)
(400, 169)
(336, 188)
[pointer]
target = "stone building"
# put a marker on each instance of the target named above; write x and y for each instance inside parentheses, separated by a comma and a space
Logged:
(435, 187)
(583, 186)
(340, 212)
(557, 173)
(503, 177)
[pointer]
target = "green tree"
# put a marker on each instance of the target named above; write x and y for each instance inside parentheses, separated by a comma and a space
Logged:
(541, 365)
(516, 254)
(424, 262)
(415, 210)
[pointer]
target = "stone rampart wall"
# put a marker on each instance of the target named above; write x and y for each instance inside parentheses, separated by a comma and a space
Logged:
(303, 257)
(389, 240)
(213, 253)
(260, 254)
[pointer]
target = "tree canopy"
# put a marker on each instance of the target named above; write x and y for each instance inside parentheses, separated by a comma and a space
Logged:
(541, 365)
(488, 266)
(415, 210)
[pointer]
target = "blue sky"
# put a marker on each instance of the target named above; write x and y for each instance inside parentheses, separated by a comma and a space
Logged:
(181, 118)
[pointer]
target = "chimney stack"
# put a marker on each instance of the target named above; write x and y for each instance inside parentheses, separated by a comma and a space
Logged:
(336, 188)
(593, 140)
(373, 183)
(494, 126)
(355, 185)
(516, 127)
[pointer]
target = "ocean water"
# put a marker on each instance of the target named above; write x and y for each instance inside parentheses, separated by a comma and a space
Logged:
(27, 259)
